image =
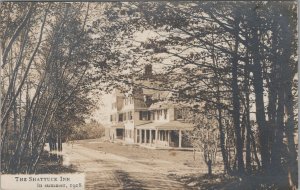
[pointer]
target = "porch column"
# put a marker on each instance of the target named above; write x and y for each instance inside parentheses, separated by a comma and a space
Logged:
(167, 135)
(135, 135)
(145, 136)
(156, 136)
(179, 139)
(150, 138)
(159, 135)
(140, 133)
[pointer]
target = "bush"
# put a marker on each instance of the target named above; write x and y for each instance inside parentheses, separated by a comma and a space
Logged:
(90, 130)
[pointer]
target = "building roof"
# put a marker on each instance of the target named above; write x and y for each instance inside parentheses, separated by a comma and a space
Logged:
(161, 105)
(170, 125)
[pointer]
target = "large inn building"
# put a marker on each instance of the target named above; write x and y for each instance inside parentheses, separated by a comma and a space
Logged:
(145, 117)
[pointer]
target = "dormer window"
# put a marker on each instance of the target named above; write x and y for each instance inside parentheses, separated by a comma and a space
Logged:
(178, 114)
(165, 113)
(147, 100)
(145, 115)
(153, 115)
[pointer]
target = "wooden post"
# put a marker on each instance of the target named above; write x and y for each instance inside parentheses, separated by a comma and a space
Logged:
(167, 135)
(145, 136)
(150, 138)
(140, 133)
(124, 133)
(194, 151)
(180, 138)
(159, 136)
(156, 136)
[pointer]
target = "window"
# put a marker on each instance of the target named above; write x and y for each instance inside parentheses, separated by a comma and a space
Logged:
(130, 115)
(120, 117)
(165, 113)
(160, 113)
(145, 115)
(153, 115)
(124, 116)
(111, 118)
(147, 100)
(178, 114)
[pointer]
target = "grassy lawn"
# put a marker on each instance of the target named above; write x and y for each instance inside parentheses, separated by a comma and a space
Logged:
(182, 157)
(52, 164)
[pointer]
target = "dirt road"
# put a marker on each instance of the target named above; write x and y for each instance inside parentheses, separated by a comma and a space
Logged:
(111, 171)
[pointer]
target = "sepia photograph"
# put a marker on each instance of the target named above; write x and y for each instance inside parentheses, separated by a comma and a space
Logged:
(149, 95)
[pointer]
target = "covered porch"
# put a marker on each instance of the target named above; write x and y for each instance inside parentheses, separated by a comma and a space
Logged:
(162, 134)
(117, 132)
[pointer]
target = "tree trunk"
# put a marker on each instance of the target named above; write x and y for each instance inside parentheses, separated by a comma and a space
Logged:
(227, 168)
(259, 101)
(278, 133)
(247, 118)
(224, 152)
(288, 72)
(209, 167)
(253, 140)
(17, 33)
(59, 141)
(236, 103)
(290, 131)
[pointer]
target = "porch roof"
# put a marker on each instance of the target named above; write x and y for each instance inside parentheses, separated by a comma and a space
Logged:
(161, 105)
(118, 126)
(170, 125)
